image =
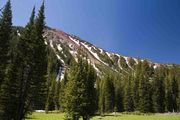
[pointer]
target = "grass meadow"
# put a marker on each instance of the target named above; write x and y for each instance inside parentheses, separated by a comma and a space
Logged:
(60, 116)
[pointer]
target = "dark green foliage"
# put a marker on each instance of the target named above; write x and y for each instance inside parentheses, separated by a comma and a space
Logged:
(107, 95)
(119, 94)
(40, 58)
(159, 90)
(54, 70)
(5, 38)
(137, 75)
(145, 89)
(101, 105)
(7, 92)
(21, 89)
(80, 92)
(24, 47)
(172, 91)
(128, 98)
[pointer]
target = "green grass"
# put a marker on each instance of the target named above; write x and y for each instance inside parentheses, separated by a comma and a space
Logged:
(54, 116)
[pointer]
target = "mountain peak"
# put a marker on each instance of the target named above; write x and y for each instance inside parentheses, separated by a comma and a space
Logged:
(65, 44)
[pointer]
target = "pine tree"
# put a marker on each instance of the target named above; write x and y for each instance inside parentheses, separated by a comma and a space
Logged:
(129, 102)
(40, 60)
(172, 91)
(136, 84)
(8, 87)
(80, 92)
(5, 38)
(145, 89)
(24, 47)
(9, 99)
(88, 105)
(57, 95)
(62, 90)
(169, 105)
(20, 88)
(159, 91)
(68, 91)
(119, 94)
(109, 97)
(101, 105)
(53, 80)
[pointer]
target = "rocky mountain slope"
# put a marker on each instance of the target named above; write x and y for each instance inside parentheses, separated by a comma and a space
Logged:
(66, 47)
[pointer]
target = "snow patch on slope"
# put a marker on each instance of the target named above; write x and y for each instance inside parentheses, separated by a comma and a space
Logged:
(18, 33)
(101, 51)
(119, 64)
(51, 44)
(135, 60)
(59, 47)
(60, 58)
(45, 42)
(74, 54)
(109, 55)
(74, 40)
(94, 54)
(127, 62)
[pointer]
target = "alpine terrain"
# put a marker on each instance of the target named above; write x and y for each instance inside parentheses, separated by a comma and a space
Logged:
(66, 47)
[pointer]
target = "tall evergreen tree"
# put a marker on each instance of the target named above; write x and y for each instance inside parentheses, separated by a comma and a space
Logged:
(25, 46)
(53, 80)
(145, 89)
(9, 99)
(172, 92)
(7, 86)
(21, 90)
(109, 97)
(169, 105)
(5, 38)
(101, 105)
(175, 94)
(40, 60)
(89, 102)
(119, 94)
(129, 102)
(136, 84)
(80, 92)
(159, 91)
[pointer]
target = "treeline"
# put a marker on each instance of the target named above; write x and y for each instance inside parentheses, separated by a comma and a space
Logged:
(23, 65)
(141, 89)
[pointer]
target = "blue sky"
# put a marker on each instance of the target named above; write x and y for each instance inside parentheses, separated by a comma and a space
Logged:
(139, 28)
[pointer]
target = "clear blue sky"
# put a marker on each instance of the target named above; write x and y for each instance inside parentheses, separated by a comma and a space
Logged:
(139, 28)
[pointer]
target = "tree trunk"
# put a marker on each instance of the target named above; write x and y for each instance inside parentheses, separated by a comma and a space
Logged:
(85, 117)
(75, 117)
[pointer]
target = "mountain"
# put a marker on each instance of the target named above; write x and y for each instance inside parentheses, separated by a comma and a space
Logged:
(66, 47)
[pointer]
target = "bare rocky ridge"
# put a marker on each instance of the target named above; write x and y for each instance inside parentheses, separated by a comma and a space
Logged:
(63, 44)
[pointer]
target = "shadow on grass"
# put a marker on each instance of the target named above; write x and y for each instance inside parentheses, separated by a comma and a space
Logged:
(29, 118)
(106, 115)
